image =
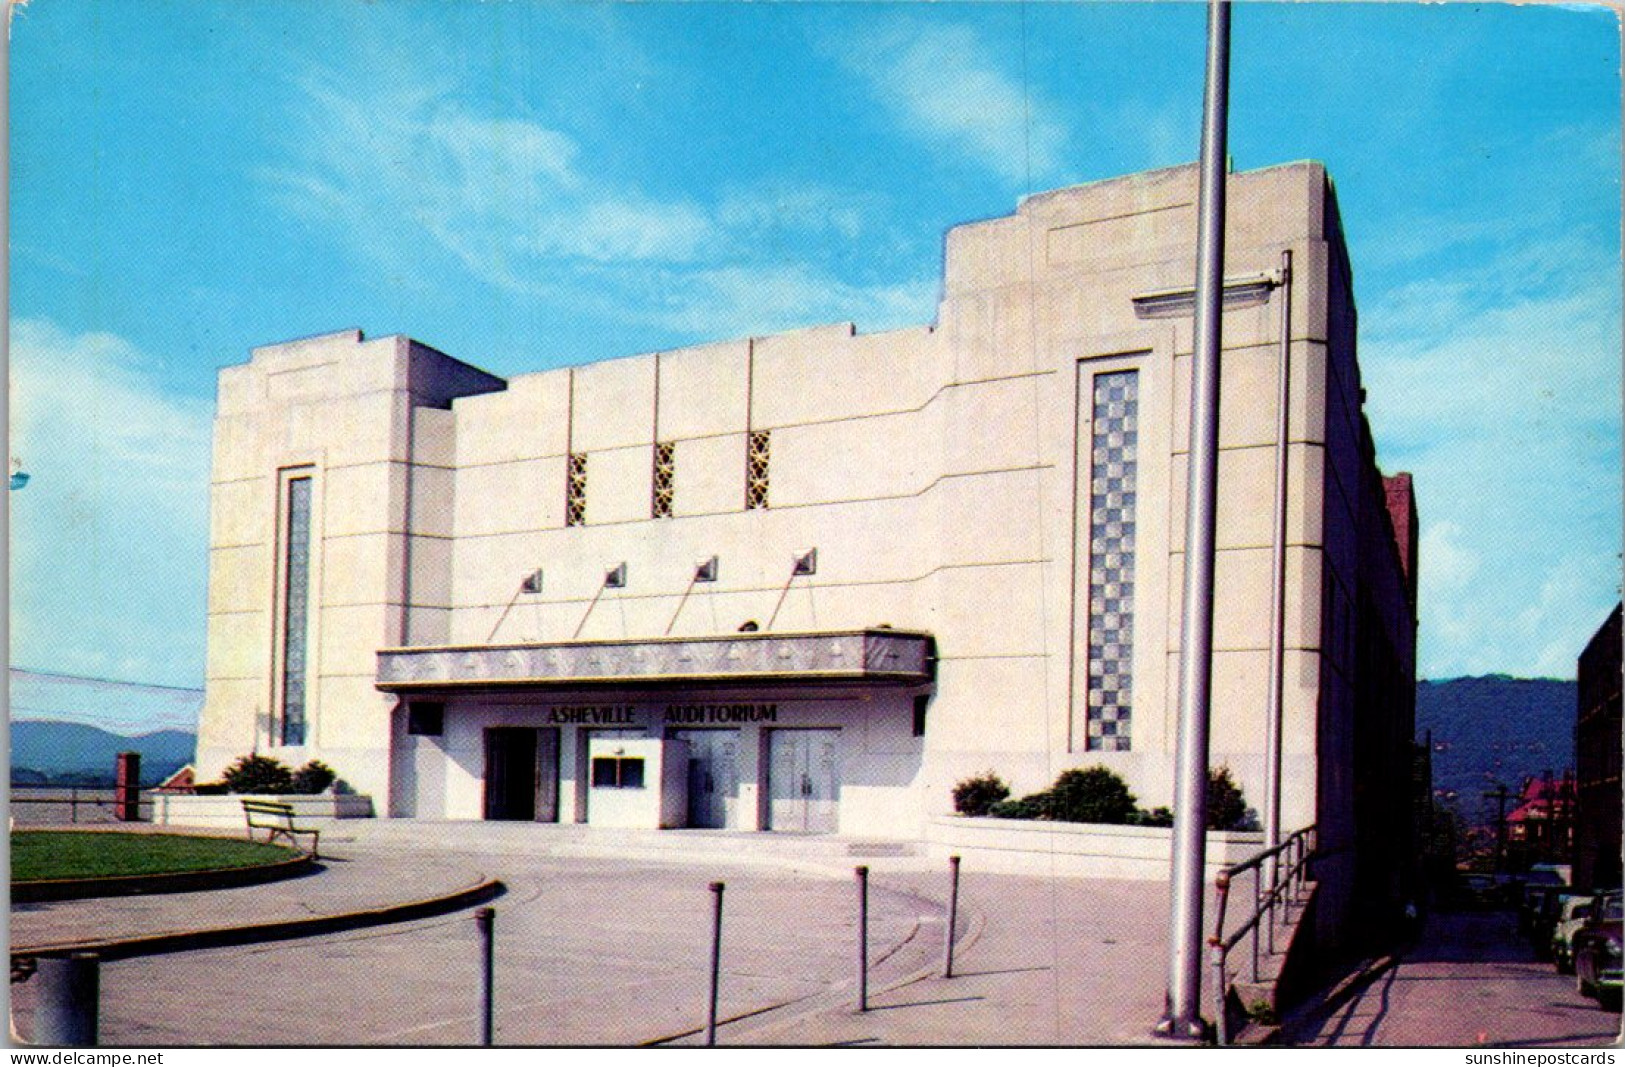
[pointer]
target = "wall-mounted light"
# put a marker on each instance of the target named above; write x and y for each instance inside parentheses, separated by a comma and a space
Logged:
(532, 582)
(805, 563)
(706, 570)
(616, 577)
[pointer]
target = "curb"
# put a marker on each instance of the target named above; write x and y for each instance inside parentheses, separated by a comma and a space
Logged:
(282, 930)
(45, 891)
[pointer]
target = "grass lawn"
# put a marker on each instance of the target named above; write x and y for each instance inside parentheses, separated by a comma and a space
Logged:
(37, 855)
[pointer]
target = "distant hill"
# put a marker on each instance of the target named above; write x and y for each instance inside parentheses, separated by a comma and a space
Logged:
(1495, 730)
(72, 753)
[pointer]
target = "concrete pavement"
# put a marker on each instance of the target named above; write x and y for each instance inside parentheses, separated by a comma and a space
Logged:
(603, 940)
(1470, 981)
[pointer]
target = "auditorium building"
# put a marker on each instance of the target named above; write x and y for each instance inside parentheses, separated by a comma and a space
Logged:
(807, 581)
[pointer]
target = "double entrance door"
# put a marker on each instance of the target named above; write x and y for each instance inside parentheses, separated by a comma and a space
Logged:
(522, 774)
(713, 777)
(804, 781)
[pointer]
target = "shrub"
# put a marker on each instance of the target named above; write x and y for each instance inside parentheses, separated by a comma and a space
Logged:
(1157, 817)
(258, 774)
(975, 795)
(1226, 807)
(1092, 794)
(313, 777)
(1032, 806)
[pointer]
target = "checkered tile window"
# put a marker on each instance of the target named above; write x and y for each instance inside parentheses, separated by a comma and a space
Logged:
(1113, 444)
(575, 499)
(758, 451)
(665, 475)
(295, 610)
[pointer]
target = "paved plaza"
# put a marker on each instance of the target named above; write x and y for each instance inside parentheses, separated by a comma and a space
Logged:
(603, 939)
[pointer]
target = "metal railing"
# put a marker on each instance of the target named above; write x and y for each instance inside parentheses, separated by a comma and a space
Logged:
(1279, 884)
(97, 801)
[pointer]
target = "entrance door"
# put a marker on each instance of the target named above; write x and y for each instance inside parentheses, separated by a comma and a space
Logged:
(522, 774)
(713, 776)
(510, 773)
(804, 781)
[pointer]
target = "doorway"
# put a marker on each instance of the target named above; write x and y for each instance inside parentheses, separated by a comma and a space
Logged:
(522, 774)
(804, 781)
(713, 777)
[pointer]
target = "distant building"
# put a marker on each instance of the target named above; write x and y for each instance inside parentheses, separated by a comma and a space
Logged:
(844, 570)
(1597, 744)
(1541, 827)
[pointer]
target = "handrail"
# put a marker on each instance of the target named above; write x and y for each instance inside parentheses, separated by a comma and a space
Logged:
(1285, 868)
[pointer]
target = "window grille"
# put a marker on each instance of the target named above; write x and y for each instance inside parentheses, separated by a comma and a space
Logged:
(1112, 475)
(575, 500)
(757, 454)
(665, 474)
(295, 610)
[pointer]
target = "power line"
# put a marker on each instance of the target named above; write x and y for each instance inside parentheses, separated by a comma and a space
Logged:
(106, 681)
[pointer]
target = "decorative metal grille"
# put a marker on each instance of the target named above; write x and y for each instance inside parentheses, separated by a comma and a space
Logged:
(664, 477)
(1113, 463)
(756, 465)
(295, 611)
(575, 499)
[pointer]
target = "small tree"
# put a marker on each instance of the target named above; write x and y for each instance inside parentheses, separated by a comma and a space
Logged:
(1226, 806)
(313, 777)
(1092, 794)
(975, 795)
(258, 774)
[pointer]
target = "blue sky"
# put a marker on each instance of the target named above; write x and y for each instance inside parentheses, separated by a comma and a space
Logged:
(529, 185)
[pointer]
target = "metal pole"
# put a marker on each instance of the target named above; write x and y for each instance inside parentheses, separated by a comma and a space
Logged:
(863, 938)
(69, 999)
(1182, 1019)
(953, 916)
(484, 920)
(716, 962)
(1272, 722)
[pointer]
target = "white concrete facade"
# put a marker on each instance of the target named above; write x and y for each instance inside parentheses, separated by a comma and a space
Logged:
(945, 475)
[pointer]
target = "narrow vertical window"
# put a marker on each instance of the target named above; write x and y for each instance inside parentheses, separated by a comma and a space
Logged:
(665, 473)
(1112, 472)
(758, 451)
(295, 611)
(575, 499)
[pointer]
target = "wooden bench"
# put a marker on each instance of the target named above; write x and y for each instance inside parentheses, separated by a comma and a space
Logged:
(277, 818)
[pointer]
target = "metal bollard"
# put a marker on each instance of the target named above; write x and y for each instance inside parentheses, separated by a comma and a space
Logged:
(863, 938)
(953, 916)
(69, 999)
(716, 961)
(484, 921)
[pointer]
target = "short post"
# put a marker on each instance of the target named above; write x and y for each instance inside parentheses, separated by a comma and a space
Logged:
(69, 999)
(484, 921)
(1221, 1014)
(863, 938)
(1258, 917)
(127, 788)
(953, 916)
(73, 804)
(716, 961)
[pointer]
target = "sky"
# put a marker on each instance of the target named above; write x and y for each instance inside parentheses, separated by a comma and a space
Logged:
(529, 185)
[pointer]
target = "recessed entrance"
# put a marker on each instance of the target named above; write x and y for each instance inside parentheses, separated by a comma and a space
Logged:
(713, 777)
(804, 781)
(522, 774)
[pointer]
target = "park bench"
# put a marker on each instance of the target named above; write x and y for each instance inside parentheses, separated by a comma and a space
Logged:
(277, 818)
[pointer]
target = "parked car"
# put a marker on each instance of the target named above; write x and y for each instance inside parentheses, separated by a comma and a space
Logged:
(1597, 949)
(1475, 891)
(1537, 913)
(1572, 914)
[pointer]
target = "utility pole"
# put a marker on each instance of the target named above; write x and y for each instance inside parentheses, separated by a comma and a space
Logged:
(1182, 1018)
(1500, 797)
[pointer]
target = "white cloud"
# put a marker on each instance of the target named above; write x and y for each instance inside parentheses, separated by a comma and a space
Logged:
(106, 536)
(1499, 390)
(406, 168)
(943, 86)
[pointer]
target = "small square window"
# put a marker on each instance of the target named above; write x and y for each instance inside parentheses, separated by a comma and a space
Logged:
(426, 720)
(617, 772)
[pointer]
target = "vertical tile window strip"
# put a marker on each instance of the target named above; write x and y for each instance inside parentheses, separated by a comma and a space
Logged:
(295, 611)
(757, 455)
(665, 474)
(575, 495)
(1113, 467)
